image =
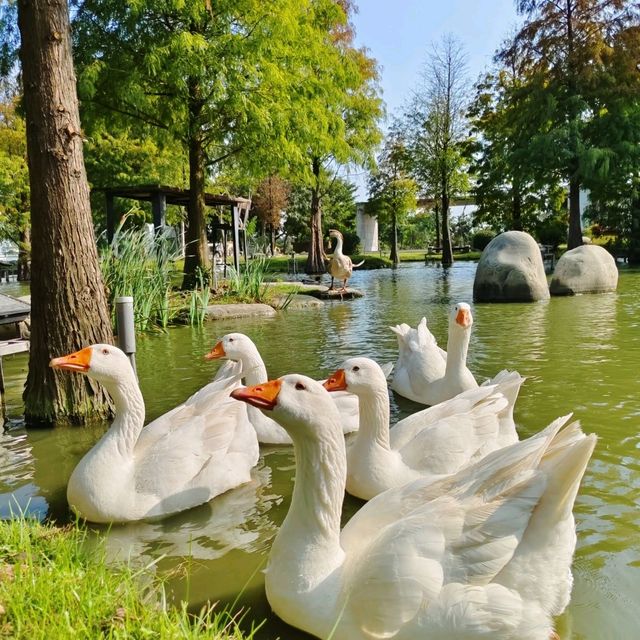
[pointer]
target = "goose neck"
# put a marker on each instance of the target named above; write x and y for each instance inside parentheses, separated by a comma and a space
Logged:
(457, 348)
(308, 543)
(253, 368)
(374, 418)
(338, 248)
(129, 414)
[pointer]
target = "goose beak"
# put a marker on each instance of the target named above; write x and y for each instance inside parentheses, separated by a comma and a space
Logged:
(463, 318)
(78, 361)
(263, 396)
(336, 382)
(216, 352)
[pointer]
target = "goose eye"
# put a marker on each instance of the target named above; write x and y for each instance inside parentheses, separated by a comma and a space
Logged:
(300, 386)
(356, 368)
(230, 339)
(105, 352)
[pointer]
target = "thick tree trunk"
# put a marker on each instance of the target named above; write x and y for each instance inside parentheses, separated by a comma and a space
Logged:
(24, 255)
(436, 213)
(447, 252)
(197, 246)
(575, 226)
(68, 304)
(316, 258)
(394, 240)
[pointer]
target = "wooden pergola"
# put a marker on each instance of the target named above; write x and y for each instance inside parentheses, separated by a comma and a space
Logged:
(160, 196)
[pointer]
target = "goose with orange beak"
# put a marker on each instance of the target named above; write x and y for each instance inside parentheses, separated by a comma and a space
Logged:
(419, 375)
(180, 460)
(485, 553)
(239, 348)
(433, 443)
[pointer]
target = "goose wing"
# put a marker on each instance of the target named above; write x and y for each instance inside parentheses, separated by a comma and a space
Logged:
(425, 556)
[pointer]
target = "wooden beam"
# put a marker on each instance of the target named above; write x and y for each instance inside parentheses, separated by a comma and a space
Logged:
(159, 208)
(111, 215)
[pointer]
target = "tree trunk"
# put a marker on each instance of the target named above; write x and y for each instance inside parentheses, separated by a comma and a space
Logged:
(447, 253)
(24, 254)
(68, 303)
(197, 246)
(272, 232)
(316, 258)
(394, 240)
(575, 226)
(436, 213)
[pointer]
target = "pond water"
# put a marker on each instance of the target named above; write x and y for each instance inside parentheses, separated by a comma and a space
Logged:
(579, 354)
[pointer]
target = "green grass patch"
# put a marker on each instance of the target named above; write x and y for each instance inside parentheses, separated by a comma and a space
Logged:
(52, 586)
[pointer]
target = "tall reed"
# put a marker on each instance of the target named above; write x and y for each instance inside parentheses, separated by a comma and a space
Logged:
(141, 265)
(249, 284)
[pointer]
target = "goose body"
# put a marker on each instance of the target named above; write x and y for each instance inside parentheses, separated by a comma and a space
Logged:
(425, 373)
(340, 266)
(433, 443)
(180, 460)
(239, 348)
(485, 553)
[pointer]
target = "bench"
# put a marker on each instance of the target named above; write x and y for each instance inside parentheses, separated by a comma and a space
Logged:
(463, 248)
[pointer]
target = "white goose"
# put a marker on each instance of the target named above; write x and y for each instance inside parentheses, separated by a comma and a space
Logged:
(418, 373)
(429, 443)
(483, 554)
(238, 347)
(182, 459)
(340, 266)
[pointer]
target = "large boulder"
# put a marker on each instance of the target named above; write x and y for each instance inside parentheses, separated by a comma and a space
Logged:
(511, 270)
(585, 269)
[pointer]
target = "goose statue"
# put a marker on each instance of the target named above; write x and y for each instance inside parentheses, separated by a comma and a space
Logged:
(485, 553)
(239, 348)
(430, 443)
(426, 374)
(340, 266)
(182, 459)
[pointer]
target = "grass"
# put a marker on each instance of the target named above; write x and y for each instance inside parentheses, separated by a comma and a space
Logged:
(52, 587)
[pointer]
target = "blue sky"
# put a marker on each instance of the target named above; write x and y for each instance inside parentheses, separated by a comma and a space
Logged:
(400, 34)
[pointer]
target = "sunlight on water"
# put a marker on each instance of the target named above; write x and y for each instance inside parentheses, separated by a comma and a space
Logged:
(579, 354)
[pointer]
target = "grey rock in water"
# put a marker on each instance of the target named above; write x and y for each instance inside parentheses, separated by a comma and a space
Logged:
(511, 270)
(585, 269)
(224, 311)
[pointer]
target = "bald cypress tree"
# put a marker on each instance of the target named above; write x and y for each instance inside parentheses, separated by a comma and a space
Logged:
(68, 303)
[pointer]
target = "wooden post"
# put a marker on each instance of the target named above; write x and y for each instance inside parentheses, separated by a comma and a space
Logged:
(159, 208)
(111, 223)
(236, 239)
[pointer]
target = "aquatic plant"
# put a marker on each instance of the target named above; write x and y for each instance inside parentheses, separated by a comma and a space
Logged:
(142, 265)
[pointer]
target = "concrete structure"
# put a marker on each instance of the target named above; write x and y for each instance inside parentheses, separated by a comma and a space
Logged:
(366, 228)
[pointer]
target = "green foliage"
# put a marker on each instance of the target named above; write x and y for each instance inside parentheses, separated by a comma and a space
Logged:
(199, 299)
(52, 588)
(139, 265)
(14, 174)
(392, 190)
(249, 284)
(481, 238)
(552, 230)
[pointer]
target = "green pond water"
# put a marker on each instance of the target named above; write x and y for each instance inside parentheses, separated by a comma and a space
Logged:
(579, 354)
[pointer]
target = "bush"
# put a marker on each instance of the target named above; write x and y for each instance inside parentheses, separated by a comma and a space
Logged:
(351, 243)
(481, 238)
(552, 231)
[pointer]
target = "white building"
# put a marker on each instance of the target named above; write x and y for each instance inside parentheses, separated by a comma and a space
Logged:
(366, 228)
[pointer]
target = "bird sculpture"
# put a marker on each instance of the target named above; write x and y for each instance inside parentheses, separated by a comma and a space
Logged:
(340, 266)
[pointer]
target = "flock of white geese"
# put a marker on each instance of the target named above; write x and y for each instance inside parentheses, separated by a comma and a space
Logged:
(469, 532)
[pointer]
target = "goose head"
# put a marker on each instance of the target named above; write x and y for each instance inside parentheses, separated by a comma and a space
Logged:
(300, 404)
(102, 362)
(233, 346)
(359, 376)
(460, 318)
(334, 233)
